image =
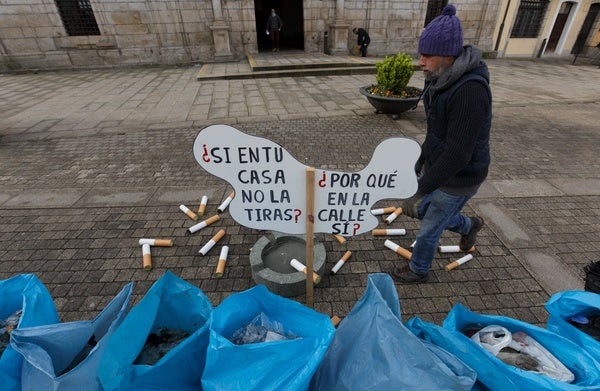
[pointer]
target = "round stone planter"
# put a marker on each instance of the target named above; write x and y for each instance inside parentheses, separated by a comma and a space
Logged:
(270, 262)
(390, 105)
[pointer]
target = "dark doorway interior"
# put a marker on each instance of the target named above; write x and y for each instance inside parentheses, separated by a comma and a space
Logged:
(559, 25)
(292, 33)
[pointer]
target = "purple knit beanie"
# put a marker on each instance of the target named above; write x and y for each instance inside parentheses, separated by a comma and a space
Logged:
(443, 36)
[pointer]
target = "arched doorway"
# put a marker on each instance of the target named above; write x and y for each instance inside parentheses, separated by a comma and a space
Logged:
(291, 13)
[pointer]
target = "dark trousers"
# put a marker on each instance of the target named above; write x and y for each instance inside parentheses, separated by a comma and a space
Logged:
(363, 50)
(275, 38)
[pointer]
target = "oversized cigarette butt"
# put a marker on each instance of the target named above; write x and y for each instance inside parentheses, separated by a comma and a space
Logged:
(146, 256)
(156, 242)
(341, 262)
(458, 262)
(454, 249)
(222, 260)
(397, 212)
(202, 206)
(188, 212)
(205, 223)
(381, 211)
(226, 202)
(301, 268)
(391, 232)
(335, 320)
(398, 250)
(212, 242)
(340, 238)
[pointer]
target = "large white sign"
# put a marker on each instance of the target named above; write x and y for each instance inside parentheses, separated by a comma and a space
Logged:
(270, 185)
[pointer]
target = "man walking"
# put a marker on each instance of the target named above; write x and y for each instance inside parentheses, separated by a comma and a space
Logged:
(274, 25)
(455, 155)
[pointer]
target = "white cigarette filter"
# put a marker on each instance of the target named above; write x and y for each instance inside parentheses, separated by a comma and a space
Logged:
(397, 212)
(301, 268)
(202, 206)
(453, 249)
(413, 244)
(398, 250)
(205, 223)
(147, 257)
(188, 212)
(389, 232)
(156, 242)
(458, 262)
(381, 211)
(226, 202)
(222, 260)
(341, 262)
(206, 248)
(340, 238)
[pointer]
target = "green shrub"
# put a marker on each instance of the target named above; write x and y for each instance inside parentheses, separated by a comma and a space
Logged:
(394, 73)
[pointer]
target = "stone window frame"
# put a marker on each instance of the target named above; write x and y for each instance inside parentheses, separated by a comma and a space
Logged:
(78, 17)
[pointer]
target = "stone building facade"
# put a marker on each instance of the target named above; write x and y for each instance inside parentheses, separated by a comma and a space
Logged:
(52, 34)
(62, 34)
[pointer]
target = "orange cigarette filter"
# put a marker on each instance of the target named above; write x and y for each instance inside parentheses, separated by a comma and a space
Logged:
(340, 238)
(335, 320)
(219, 235)
(404, 253)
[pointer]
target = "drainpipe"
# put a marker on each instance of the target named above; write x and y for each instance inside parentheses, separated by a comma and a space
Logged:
(502, 26)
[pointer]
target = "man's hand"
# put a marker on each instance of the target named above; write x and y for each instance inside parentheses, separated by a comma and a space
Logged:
(410, 206)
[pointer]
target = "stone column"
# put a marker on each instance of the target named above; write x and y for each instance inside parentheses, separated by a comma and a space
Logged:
(339, 30)
(220, 30)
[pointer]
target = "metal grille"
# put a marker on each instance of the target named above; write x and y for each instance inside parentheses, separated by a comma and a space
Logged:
(434, 9)
(529, 19)
(78, 17)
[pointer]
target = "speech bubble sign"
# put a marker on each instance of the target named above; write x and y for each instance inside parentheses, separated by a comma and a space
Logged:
(270, 184)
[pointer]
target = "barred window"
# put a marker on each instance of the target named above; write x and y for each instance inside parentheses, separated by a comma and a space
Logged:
(529, 18)
(78, 17)
(434, 9)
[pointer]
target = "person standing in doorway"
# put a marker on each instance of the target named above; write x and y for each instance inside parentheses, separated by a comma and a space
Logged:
(362, 41)
(455, 155)
(274, 25)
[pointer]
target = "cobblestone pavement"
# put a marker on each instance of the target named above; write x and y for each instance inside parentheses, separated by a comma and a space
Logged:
(92, 161)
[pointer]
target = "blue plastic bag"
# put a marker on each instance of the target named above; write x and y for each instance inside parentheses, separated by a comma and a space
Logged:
(65, 356)
(373, 350)
(497, 375)
(564, 305)
(22, 292)
(171, 303)
(285, 364)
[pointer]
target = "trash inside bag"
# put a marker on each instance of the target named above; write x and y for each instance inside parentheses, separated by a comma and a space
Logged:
(26, 301)
(161, 344)
(272, 363)
(260, 329)
(522, 351)
(575, 315)
(589, 325)
(373, 350)
(65, 356)
(6, 326)
(495, 373)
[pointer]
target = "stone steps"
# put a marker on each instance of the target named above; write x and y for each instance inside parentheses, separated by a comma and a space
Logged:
(287, 65)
